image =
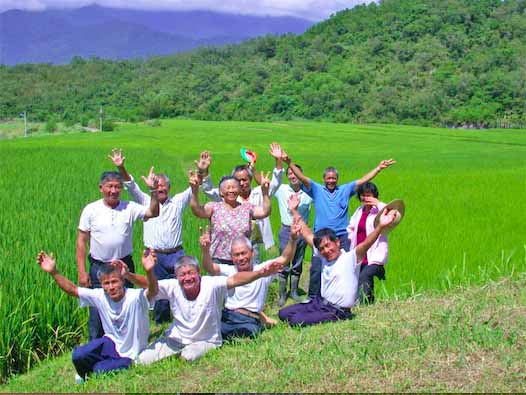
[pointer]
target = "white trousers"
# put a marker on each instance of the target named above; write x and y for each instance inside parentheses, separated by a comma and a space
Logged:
(165, 347)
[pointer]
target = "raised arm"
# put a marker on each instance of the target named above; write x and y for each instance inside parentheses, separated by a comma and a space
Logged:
(118, 160)
(305, 231)
(296, 170)
(374, 172)
(207, 186)
(263, 211)
(242, 278)
(152, 182)
(386, 219)
(198, 210)
(206, 259)
(290, 248)
(149, 260)
(48, 264)
(82, 241)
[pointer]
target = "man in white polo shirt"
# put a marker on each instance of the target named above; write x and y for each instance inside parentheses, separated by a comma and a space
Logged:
(107, 225)
(196, 304)
(164, 233)
(242, 313)
(124, 314)
(339, 278)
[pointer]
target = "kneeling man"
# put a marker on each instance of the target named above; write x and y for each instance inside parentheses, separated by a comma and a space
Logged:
(242, 315)
(123, 312)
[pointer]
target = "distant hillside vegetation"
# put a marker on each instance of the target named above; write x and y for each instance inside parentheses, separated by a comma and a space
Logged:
(448, 62)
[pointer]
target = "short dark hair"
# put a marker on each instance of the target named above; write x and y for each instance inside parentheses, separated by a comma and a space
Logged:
(322, 234)
(242, 168)
(368, 187)
(110, 176)
(329, 170)
(106, 269)
(298, 166)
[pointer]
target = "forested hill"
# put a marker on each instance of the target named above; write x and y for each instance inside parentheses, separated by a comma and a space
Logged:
(415, 61)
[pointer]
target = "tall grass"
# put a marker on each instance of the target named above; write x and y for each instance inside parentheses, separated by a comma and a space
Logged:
(464, 192)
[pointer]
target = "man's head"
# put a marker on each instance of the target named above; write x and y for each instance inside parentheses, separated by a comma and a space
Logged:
(293, 180)
(243, 176)
(365, 190)
(163, 188)
(110, 186)
(188, 275)
(111, 281)
(242, 253)
(327, 243)
(229, 188)
(330, 178)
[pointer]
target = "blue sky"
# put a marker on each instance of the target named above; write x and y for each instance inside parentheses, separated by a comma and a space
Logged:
(309, 9)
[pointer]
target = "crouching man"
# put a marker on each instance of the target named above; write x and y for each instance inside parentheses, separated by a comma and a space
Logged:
(196, 302)
(123, 312)
(242, 315)
(340, 274)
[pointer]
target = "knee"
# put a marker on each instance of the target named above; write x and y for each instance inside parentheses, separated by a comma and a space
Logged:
(77, 355)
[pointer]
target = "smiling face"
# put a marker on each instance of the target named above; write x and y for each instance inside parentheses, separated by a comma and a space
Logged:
(163, 189)
(242, 256)
(293, 180)
(331, 180)
(244, 182)
(111, 192)
(113, 285)
(329, 249)
(189, 280)
(229, 190)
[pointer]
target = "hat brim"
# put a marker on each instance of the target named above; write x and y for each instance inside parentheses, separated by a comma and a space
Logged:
(399, 206)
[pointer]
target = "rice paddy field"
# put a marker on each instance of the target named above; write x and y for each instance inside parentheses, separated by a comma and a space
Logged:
(464, 192)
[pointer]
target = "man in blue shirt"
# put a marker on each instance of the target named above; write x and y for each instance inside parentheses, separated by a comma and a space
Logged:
(331, 207)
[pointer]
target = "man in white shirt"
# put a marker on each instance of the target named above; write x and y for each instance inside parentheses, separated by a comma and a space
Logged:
(339, 278)
(107, 225)
(243, 307)
(262, 231)
(164, 233)
(124, 315)
(196, 303)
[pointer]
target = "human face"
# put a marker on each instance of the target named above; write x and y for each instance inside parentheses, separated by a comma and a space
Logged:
(242, 257)
(244, 182)
(113, 285)
(366, 198)
(329, 249)
(162, 190)
(189, 280)
(229, 190)
(331, 180)
(293, 180)
(111, 191)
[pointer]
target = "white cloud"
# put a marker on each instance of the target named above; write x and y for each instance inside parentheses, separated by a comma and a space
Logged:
(311, 9)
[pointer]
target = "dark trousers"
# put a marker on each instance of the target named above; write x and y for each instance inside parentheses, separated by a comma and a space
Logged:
(164, 269)
(315, 268)
(366, 281)
(94, 324)
(234, 324)
(98, 356)
(313, 312)
(296, 264)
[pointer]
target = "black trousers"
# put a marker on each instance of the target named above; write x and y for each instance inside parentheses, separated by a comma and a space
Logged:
(366, 282)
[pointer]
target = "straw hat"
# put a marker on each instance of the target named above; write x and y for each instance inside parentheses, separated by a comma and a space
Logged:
(399, 206)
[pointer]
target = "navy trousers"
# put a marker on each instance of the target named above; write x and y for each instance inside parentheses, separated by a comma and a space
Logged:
(313, 312)
(234, 324)
(98, 356)
(95, 329)
(164, 269)
(315, 268)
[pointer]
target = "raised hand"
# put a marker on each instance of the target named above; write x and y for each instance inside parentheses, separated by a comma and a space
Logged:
(295, 229)
(46, 262)
(272, 268)
(149, 259)
(284, 156)
(122, 266)
(386, 163)
(151, 181)
(387, 217)
(276, 151)
(203, 164)
(116, 157)
(204, 238)
(293, 202)
(194, 180)
(265, 182)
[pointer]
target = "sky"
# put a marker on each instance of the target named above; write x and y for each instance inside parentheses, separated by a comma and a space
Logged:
(310, 9)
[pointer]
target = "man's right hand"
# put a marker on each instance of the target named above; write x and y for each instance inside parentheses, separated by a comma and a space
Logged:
(203, 164)
(204, 239)
(84, 280)
(116, 157)
(46, 262)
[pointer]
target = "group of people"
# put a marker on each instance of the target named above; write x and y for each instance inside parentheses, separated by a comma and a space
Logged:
(204, 310)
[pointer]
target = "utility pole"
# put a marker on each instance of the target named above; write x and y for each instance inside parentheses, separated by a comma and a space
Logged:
(100, 119)
(24, 115)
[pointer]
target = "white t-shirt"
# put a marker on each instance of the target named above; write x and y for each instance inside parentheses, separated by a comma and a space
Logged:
(110, 228)
(250, 296)
(339, 279)
(199, 319)
(126, 322)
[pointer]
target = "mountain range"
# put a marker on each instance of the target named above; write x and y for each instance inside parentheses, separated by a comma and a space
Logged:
(57, 35)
